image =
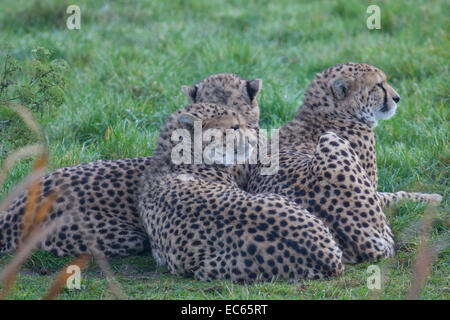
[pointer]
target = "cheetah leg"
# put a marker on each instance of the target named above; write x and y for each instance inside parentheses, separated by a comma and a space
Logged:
(388, 199)
(350, 206)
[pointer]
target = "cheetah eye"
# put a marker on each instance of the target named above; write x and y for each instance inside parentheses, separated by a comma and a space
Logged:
(235, 127)
(380, 84)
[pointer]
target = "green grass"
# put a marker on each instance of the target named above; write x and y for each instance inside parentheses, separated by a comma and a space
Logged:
(128, 63)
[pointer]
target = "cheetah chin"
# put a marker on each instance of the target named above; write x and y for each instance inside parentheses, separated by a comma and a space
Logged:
(386, 112)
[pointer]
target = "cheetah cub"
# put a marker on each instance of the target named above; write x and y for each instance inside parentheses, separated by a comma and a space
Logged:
(201, 223)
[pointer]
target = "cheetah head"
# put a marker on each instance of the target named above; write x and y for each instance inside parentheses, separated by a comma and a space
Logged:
(229, 90)
(355, 90)
(222, 137)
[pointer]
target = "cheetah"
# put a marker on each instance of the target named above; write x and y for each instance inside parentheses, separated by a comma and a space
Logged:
(201, 224)
(230, 90)
(327, 159)
(99, 199)
(98, 202)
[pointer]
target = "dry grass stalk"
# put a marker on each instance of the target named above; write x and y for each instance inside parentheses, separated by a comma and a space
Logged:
(113, 284)
(33, 230)
(28, 118)
(17, 155)
(10, 278)
(33, 216)
(20, 188)
(30, 219)
(30, 209)
(44, 209)
(9, 273)
(425, 255)
(63, 275)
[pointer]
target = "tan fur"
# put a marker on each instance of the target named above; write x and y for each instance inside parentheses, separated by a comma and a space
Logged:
(97, 202)
(238, 94)
(229, 90)
(99, 198)
(328, 162)
(201, 223)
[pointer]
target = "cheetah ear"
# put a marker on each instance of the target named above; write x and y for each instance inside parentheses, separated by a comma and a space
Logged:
(341, 87)
(253, 88)
(190, 92)
(187, 121)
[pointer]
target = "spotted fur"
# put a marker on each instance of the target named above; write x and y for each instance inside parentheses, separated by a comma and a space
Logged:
(201, 223)
(328, 163)
(238, 94)
(96, 202)
(377, 103)
(99, 199)
(229, 90)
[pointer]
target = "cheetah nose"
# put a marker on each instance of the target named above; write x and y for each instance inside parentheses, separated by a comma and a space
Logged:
(396, 99)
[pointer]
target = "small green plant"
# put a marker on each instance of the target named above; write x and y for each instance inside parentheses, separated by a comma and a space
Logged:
(38, 85)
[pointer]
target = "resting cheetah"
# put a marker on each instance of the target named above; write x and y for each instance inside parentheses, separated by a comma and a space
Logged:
(241, 95)
(327, 158)
(229, 90)
(99, 198)
(351, 106)
(232, 91)
(201, 223)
